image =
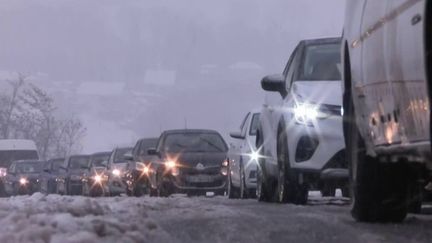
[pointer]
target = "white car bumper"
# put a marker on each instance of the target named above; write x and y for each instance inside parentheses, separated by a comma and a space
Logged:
(311, 148)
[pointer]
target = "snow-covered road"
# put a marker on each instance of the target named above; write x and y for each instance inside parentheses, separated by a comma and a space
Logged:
(53, 218)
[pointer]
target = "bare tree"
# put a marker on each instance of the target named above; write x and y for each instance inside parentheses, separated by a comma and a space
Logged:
(11, 104)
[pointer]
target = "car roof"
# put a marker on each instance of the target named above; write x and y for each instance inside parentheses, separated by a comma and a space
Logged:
(101, 153)
(17, 144)
(29, 161)
(176, 131)
(256, 110)
(332, 40)
(148, 139)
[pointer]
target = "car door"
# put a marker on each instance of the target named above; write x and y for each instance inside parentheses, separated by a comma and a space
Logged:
(405, 49)
(237, 149)
(248, 144)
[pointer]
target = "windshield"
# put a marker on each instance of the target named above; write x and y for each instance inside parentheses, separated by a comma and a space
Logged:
(7, 157)
(28, 167)
(146, 144)
(194, 142)
(120, 153)
(79, 162)
(56, 164)
(321, 63)
(99, 160)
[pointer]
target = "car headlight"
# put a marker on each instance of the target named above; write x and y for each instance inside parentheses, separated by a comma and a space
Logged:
(306, 114)
(23, 181)
(170, 164)
(116, 172)
(97, 178)
(3, 172)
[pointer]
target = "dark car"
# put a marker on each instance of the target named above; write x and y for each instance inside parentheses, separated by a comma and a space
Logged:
(193, 162)
(96, 177)
(139, 168)
(71, 175)
(23, 177)
(117, 168)
(49, 174)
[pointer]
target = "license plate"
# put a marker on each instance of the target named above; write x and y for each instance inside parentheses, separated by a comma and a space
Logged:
(200, 179)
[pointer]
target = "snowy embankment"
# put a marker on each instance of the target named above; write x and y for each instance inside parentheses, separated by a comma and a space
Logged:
(53, 218)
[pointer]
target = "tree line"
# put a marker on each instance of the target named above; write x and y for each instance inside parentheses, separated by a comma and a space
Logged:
(29, 112)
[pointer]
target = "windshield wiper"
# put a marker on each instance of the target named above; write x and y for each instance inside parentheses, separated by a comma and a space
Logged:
(212, 144)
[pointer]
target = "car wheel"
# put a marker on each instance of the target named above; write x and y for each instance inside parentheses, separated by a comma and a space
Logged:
(328, 191)
(232, 191)
(379, 190)
(264, 190)
(283, 185)
(243, 191)
(138, 191)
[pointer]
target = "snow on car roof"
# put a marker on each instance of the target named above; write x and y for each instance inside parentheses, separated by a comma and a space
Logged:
(17, 144)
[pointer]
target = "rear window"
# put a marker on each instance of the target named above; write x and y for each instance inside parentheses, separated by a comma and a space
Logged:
(321, 62)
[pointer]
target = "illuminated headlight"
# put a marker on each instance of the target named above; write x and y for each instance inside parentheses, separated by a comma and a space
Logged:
(146, 170)
(116, 172)
(23, 181)
(254, 156)
(3, 172)
(97, 178)
(224, 171)
(170, 164)
(308, 113)
(175, 171)
(225, 163)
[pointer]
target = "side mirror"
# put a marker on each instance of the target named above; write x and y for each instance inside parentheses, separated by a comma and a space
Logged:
(128, 157)
(237, 135)
(152, 151)
(274, 83)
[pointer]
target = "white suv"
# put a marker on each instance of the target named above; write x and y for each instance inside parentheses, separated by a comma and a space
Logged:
(300, 136)
(241, 179)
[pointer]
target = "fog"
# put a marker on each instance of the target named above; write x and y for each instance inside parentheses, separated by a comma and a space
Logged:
(133, 68)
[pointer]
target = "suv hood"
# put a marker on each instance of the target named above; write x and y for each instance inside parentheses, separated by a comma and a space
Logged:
(319, 92)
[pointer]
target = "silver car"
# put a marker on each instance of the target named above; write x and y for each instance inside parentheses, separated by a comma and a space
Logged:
(242, 154)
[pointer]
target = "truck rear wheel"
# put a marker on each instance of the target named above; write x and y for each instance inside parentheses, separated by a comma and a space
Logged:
(379, 190)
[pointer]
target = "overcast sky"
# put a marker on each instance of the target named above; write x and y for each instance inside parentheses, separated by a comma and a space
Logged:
(164, 62)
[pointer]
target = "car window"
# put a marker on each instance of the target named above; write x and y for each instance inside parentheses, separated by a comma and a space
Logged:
(99, 160)
(146, 145)
(120, 153)
(254, 124)
(243, 126)
(291, 69)
(320, 62)
(28, 167)
(79, 162)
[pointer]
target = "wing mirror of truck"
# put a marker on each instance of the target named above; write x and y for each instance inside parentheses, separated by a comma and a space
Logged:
(153, 151)
(237, 135)
(274, 83)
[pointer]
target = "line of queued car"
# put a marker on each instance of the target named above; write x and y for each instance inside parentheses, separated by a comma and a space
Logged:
(187, 161)
(351, 113)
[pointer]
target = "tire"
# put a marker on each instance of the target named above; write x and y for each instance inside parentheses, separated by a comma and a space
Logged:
(283, 185)
(379, 190)
(138, 191)
(232, 191)
(243, 191)
(289, 190)
(264, 189)
(328, 191)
